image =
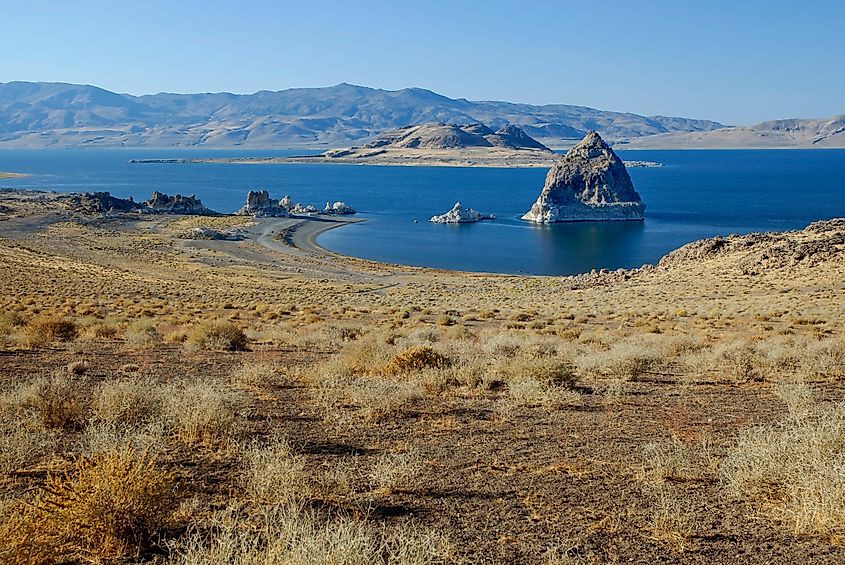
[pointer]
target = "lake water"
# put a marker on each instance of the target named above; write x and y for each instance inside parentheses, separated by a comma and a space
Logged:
(697, 194)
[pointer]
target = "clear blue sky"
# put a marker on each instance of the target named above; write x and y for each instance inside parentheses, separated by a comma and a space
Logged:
(737, 62)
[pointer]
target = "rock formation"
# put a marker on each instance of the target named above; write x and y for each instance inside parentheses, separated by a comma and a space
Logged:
(210, 234)
(308, 209)
(161, 203)
(259, 204)
(590, 183)
(460, 215)
(452, 136)
(338, 209)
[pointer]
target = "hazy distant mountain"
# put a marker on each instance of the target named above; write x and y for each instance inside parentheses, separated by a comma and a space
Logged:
(57, 114)
(828, 132)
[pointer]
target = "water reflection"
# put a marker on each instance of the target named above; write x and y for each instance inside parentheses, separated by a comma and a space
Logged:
(581, 246)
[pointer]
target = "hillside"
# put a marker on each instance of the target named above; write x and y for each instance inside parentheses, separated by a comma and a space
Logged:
(58, 114)
(455, 136)
(275, 395)
(776, 134)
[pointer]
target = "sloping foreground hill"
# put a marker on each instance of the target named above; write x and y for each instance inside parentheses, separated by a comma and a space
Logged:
(46, 114)
(185, 402)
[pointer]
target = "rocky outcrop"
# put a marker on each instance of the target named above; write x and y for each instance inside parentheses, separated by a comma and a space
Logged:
(451, 136)
(259, 204)
(209, 234)
(460, 215)
(338, 209)
(756, 253)
(512, 136)
(307, 209)
(590, 183)
(102, 203)
(161, 203)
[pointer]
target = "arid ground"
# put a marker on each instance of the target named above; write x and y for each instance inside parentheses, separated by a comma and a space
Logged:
(261, 401)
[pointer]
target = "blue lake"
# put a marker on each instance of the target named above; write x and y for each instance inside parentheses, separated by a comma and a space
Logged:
(697, 194)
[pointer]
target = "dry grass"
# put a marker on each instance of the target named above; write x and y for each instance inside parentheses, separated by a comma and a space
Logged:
(217, 336)
(45, 330)
(274, 474)
(202, 413)
(396, 472)
(793, 469)
(58, 402)
(128, 401)
(415, 359)
(109, 506)
(286, 535)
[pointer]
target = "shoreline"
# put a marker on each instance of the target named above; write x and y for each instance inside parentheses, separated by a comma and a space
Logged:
(297, 232)
(13, 175)
(434, 162)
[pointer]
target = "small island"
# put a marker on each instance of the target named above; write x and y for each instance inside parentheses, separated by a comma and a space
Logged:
(460, 215)
(590, 183)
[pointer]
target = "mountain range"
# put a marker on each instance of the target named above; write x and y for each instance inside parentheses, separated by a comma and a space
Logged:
(58, 114)
(45, 114)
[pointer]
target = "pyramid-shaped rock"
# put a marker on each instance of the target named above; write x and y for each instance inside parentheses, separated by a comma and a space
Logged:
(590, 183)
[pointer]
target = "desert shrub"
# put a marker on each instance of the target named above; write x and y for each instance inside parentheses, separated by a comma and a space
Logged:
(103, 437)
(288, 535)
(825, 358)
(738, 360)
(625, 360)
(678, 461)
(11, 319)
(255, 375)
(102, 330)
(273, 474)
(45, 330)
(201, 413)
(59, 401)
(21, 446)
(415, 359)
(530, 393)
(127, 401)
(503, 345)
(143, 334)
(396, 472)
(377, 400)
(218, 335)
(363, 356)
(108, 507)
(547, 371)
(793, 469)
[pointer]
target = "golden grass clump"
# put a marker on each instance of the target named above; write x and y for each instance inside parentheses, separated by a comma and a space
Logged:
(57, 401)
(44, 330)
(202, 413)
(108, 507)
(127, 401)
(284, 535)
(792, 469)
(143, 334)
(274, 474)
(415, 359)
(255, 375)
(218, 335)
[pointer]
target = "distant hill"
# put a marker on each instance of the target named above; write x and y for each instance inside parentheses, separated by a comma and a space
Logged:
(780, 134)
(58, 114)
(455, 136)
